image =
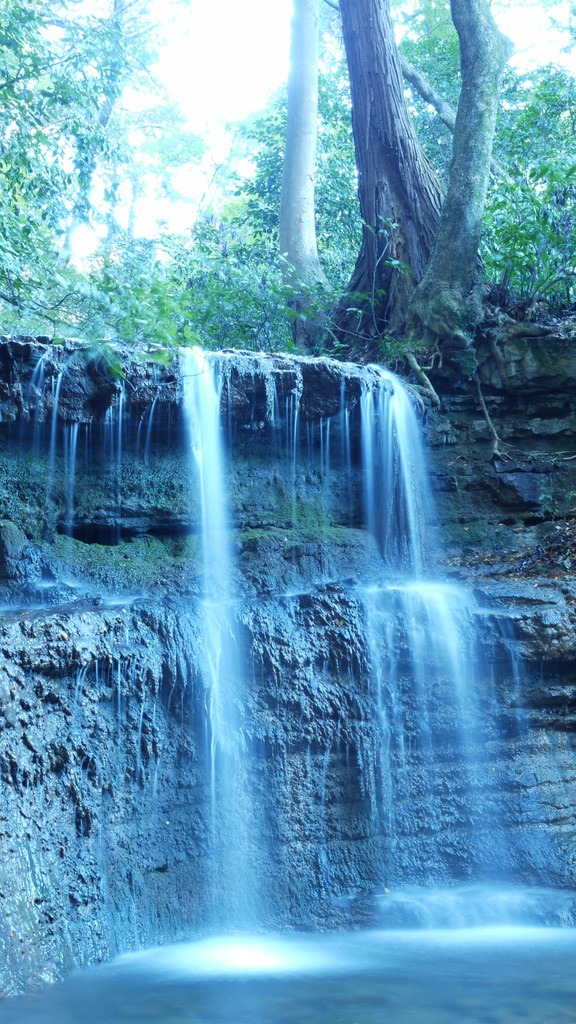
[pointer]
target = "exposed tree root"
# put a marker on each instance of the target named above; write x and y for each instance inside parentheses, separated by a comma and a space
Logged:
(423, 378)
(496, 440)
(500, 361)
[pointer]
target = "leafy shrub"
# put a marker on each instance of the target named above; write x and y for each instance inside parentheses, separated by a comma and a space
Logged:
(529, 241)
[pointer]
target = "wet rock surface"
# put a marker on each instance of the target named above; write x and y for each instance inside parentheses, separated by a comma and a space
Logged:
(104, 760)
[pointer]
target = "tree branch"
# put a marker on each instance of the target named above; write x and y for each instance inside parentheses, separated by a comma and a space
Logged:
(10, 300)
(426, 90)
(429, 94)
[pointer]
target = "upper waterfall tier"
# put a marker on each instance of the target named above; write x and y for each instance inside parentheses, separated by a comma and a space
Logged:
(92, 382)
(304, 415)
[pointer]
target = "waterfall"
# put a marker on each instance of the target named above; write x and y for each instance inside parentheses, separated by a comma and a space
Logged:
(425, 771)
(149, 430)
(266, 708)
(396, 493)
(53, 435)
(434, 822)
(70, 447)
(229, 748)
(424, 658)
(37, 394)
(54, 421)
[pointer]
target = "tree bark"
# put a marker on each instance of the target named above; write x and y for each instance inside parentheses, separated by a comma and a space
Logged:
(447, 304)
(400, 195)
(297, 227)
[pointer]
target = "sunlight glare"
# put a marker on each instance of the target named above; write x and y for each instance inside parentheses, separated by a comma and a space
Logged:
(222, 60)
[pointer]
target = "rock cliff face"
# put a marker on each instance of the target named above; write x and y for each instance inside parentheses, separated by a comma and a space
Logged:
(106, 819)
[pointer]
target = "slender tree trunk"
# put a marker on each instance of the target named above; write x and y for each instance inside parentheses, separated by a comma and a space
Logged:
(447, 305)
(297, 228)
(400, 195)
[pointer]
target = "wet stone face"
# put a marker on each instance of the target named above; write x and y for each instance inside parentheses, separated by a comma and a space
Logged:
(324, 723)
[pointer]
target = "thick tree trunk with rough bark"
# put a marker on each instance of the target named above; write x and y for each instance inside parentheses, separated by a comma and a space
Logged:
(297, 228)
(400, 195)
(447, 305)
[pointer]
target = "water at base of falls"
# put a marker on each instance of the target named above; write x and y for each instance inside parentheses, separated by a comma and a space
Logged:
(491, 975)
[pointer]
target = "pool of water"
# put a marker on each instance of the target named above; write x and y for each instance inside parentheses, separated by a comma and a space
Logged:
(481, 975)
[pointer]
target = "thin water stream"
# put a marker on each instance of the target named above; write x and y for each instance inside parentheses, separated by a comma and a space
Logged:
(233, 880)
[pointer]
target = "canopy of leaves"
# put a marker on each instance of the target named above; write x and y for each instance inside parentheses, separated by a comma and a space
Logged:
(529, 244)
(72, 152)
(66, 154)
(55, 73)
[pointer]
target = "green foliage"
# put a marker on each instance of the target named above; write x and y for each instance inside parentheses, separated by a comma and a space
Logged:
(430, 43)
(54, 72)
(537, 117)
(529, 242)
(208, 289)
(62, 71)
(233, 294)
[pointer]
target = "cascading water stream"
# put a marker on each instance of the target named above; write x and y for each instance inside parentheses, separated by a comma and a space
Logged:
(36, 394)
(421, 635)
(70, 447)
(229, 752)
(396, 494)
(149, 431)
(423, 653)
(53, 434)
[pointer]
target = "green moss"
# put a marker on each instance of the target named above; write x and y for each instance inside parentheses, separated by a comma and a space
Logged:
(23, 491)
(142, 563)
(160, 489)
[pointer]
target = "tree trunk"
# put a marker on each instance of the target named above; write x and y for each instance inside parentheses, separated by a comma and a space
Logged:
(447, 305)
(297, 228)
(400, 195)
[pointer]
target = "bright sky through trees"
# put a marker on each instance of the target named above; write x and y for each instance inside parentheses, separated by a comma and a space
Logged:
(221, 59)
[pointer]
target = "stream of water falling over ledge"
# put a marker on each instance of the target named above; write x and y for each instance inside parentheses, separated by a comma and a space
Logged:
(422, 648)
(422, 651)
